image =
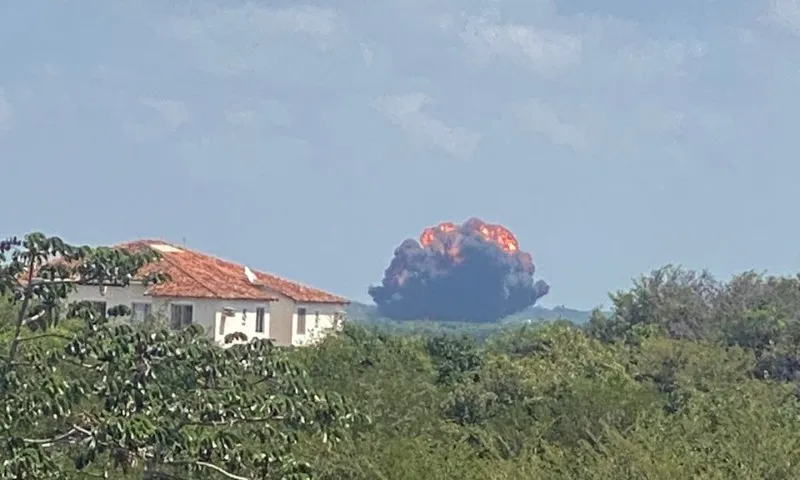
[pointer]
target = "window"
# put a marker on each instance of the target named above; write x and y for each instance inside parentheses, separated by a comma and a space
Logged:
(260, 313)
(181, 316)
(140, 311)
(100, 308)
(301, 321)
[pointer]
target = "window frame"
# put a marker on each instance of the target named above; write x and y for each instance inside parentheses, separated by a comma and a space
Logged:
(261, 315)
(302, 313)
(95, 303)
(183, 306)
(148, 311)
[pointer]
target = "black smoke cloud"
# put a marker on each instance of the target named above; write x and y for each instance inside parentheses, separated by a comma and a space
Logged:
(483, 284)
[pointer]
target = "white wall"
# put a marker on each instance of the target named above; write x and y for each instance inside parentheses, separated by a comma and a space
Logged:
(121, 296)
(205, 310)
(280, 316)
(320, 321)
(242, 321)
(282, 331)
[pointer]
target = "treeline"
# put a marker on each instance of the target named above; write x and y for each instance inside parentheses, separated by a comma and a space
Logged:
(369, 315)
(687, 377)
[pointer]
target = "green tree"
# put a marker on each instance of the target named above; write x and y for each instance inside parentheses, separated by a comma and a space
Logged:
(112, 400)
(679, 302)
(455, 356)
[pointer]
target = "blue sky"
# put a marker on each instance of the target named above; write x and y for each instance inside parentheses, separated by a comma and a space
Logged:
(309, 140)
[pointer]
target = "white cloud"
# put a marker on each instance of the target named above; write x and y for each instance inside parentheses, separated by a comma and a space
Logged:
(238, 116)
(257, 22)
(6, 111)
(367, 54)
(51, 70)
(746, 36)
(673, 122)
(232, 41)
(655, 59)
(547, 52)
(406, 111)
(785, 14)
(172, 113)
(538, 117)
(593, 55)
(266, 113)
(153, 118)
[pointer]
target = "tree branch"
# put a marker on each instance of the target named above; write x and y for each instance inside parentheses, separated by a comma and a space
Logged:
(54, 281)
(233, 421)
(229, 423)
(45, 335)
(49, 442)
(84, 281)
(26, 298)
(34, 318)
(96, 366)
(209, 466)
(68, 436)
(63, 437)
(82, 430)
(220, 470)
(94, 475)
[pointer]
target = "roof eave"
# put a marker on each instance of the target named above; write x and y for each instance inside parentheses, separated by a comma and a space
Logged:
(330, 302)
(212, 297)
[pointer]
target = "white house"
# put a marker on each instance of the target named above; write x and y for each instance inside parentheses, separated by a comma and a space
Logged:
(224, 297)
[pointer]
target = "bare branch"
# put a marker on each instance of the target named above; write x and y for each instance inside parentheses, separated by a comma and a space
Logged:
(49, 442)
(209, 466)
(82, 430)
(82, 282)
(55, 281)
(93, 475)
(45, 335)
(33, 318)
(236, 421)
(69, 436)
(82, 365)
(220, 470)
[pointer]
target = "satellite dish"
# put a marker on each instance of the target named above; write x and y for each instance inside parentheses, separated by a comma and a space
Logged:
(251, 277)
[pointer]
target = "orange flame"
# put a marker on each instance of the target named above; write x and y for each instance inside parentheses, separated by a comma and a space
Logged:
(436, 237)
(429, 235)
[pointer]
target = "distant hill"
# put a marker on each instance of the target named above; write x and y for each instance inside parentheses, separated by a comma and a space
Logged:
(366, 314)
(537, 313)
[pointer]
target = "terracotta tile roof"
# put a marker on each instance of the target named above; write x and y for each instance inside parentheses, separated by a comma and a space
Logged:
(199, 275)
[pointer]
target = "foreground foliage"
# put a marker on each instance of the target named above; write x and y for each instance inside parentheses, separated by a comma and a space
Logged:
(100, 397)
(687, 377)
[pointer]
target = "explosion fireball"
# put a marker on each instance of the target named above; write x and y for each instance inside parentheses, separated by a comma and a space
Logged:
(472, 272)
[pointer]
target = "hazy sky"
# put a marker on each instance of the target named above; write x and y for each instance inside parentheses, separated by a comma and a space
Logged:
(309, 140)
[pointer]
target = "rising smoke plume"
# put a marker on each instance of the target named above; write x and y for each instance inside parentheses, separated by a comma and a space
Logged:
(473, 272)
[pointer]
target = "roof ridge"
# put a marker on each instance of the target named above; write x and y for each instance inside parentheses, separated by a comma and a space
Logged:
(292, 289)
(287, 279)
(224, 260)
(183, 270)
(302, 285)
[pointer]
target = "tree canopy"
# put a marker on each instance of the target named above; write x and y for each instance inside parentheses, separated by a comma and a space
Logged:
(687, 376)
(98, 396)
